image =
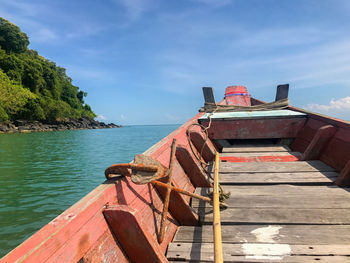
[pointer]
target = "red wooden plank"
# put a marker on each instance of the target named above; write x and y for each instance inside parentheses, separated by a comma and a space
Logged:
(343, 135)
(80, 243)
(179, 207)
(260, 159)
(104, 250)
(191, 167)
(299, 145)
(344, 176)
(205, 147)
(146, 200)
(40, 246)
(319, 142)
(323, 118)
(133, 234)
(336, 153)
(256, 129)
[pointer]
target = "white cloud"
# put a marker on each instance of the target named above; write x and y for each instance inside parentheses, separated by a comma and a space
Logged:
(100, 117)
(122, 116)
(339, 108)
(342, 104)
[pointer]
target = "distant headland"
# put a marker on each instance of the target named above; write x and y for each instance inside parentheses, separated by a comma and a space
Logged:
(35, 93)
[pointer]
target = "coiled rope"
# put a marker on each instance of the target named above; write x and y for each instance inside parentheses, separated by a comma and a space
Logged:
(223, 195)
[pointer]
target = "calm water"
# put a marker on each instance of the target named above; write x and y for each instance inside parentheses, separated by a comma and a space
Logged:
(44, 173)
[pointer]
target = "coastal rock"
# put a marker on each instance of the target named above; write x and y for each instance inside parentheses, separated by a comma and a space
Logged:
(59, 125)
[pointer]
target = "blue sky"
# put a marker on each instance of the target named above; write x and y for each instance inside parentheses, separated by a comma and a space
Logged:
(145, 61)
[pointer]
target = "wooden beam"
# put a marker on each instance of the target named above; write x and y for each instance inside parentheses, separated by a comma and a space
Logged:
(205, 147)
(318, 142)
(255, 128)
(282, 92)
(191, 167)
(208, 95)
(178, 207)
(133, 235)
(343, 179)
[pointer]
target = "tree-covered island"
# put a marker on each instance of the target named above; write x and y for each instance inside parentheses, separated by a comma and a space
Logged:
(35, 93)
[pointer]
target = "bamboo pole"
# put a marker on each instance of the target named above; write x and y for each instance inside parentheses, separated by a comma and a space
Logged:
(167, 195)
(218, 258)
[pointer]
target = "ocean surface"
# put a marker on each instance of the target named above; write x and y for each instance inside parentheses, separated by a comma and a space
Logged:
(44, 173)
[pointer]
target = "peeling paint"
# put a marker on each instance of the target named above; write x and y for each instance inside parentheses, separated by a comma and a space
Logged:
(266, 251)
(266, 234)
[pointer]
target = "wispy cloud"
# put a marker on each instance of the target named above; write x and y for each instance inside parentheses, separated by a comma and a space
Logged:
(135, 9)
(101, 117)
(342, 104)
(339, 108)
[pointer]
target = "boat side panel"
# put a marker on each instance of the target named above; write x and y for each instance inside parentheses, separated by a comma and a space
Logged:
(104, 250)
(52, 237)
(337, 151)
(256, 128)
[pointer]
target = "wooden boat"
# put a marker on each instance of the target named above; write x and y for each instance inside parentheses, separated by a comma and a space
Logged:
(286, 170)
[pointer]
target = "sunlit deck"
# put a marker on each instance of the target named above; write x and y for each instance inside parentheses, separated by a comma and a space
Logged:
(278, 212)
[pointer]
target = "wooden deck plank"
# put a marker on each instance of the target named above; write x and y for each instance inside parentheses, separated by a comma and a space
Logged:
(292, 178)
(277, 216)
(290, 259)
(253, 154)
(281, 190)
(286, 234)
(255, 148)
(305, 201)
(275, 167)
(248, 251)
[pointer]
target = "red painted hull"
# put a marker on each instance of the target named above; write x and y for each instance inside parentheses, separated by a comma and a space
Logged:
(82, 234)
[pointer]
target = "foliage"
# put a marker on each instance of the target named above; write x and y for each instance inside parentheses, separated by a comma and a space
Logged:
(13, 97)
(32, 87)
(12, 39)
(3, 114)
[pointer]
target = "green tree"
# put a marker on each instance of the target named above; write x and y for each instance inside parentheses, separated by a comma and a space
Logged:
(13, 96)
(3, 114)
(32, 87)
(12, 39)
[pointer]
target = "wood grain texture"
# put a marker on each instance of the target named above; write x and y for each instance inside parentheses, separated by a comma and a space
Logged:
(255, 148)
(291, 259)
(255, 128)
(133, 234)
(287, 234)
(281, 190)
(276, 178)
(254, 154)
(302, 166)
(319, 142)
(277, 216)
(204, 251)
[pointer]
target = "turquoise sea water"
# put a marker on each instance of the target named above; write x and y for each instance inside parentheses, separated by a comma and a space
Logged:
(44, 173)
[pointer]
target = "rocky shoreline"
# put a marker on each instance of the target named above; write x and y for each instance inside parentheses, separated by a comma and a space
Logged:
(67, 124)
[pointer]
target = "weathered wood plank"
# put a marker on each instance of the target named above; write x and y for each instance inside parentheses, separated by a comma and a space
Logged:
(278, 127)
(289, 201)
(291, 259)
(255, 148)
(287, 234)
(204, 251)
(278, 167)
(254, 178)
(281, 190)
(250, 154)
(318, 142)
(277, 216)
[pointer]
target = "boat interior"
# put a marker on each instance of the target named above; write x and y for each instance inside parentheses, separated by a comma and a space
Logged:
(284, 178)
